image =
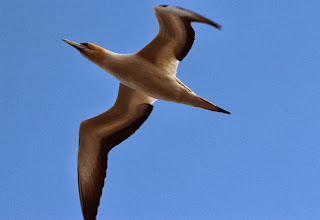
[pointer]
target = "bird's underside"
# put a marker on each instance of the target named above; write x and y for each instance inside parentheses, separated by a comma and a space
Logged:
(98, 135)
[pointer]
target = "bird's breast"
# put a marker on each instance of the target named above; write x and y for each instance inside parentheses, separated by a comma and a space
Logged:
(145, 77)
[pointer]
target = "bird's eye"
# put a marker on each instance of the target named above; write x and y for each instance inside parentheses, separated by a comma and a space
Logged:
(85, 44)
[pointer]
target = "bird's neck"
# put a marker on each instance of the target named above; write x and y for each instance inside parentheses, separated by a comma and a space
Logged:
(109, 60)
(102, 59)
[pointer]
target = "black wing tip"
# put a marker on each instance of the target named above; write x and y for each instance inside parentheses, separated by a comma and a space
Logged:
(218, 26)
(223, 111)
(212, 23)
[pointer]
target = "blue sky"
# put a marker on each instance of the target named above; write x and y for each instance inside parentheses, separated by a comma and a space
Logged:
(260, 162)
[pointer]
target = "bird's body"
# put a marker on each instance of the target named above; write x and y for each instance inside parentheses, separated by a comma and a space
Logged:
(144, 77)
(141, 75)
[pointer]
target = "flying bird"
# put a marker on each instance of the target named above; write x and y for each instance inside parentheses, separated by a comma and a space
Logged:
(145, 76)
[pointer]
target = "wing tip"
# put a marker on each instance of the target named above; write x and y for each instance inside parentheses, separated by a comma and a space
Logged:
(216, 25)
(202, 18)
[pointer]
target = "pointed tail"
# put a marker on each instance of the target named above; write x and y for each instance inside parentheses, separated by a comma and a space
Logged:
(202, 103)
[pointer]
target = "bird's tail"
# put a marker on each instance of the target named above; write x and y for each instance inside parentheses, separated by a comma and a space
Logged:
(202, 103)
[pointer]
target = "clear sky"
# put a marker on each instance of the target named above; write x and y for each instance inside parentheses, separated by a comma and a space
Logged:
(260, 162)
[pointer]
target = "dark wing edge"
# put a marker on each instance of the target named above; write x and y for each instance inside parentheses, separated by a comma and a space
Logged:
(189, 31)
(190, 35)
(91, 191)
(179, 31)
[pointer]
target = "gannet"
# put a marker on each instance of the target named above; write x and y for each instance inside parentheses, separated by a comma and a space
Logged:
(145, 76)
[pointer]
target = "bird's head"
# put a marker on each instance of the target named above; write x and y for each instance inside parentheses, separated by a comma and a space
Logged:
(92, 52)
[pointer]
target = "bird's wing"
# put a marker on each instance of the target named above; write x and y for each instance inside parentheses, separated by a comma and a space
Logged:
(175, 36)
(99, 135)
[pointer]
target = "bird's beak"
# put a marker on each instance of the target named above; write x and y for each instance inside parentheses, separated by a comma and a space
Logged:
(78, 46)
